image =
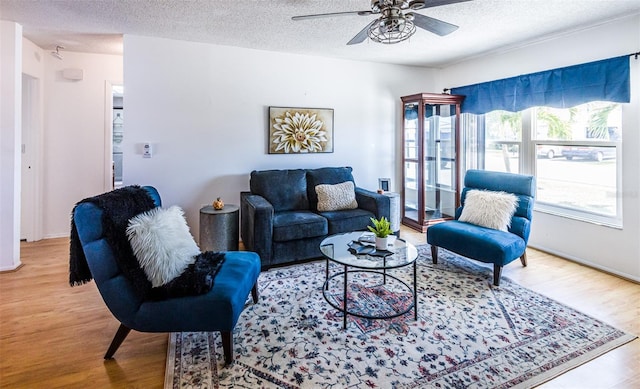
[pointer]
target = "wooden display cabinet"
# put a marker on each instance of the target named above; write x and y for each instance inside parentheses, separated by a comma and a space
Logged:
(430, 169)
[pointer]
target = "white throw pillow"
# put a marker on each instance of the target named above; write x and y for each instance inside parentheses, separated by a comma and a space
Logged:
(336, 197)
(489, 209)
(162, 243)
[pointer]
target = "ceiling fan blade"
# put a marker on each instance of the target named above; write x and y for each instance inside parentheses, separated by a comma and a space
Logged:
(435, 26)
(360, 13)
(362, 35)
(420, 4)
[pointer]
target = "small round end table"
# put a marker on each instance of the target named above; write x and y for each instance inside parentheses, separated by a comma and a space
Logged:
(219, 228)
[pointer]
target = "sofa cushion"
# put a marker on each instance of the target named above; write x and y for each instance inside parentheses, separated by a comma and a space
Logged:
(347, 220)
(291, 225)
(325, 175)
(336, 197)
(286, 190)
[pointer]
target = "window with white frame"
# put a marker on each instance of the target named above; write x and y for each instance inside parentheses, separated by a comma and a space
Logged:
(574, 151)
(575, 154)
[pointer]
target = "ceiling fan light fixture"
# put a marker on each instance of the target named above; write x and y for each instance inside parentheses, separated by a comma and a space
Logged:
(396, 22)
(389, 30)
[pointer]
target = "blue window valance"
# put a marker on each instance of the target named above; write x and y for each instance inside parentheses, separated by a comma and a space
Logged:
(605, 80)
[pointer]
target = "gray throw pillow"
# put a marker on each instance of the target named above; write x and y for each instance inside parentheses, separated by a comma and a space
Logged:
(336, 197)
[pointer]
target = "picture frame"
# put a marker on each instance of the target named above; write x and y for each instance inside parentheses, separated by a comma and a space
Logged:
(384, 184)
(300, 130)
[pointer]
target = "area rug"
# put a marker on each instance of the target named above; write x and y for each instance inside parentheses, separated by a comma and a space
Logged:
(468, 334)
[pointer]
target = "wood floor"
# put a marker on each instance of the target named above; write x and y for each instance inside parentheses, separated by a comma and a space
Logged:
(54, 336)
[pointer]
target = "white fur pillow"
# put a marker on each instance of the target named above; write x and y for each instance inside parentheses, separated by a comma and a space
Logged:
(336, 197)
(162, 243)
(489, 209)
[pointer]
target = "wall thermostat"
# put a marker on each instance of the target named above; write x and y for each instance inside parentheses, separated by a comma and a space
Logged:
(147, 150)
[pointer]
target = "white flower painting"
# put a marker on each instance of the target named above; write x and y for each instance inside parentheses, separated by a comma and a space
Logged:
(300, 130)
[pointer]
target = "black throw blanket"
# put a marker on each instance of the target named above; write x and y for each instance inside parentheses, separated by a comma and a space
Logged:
(196, 279)
(118, 207)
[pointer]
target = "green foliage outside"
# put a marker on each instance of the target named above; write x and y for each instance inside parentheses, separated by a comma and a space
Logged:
(598, 119)
(508, 125)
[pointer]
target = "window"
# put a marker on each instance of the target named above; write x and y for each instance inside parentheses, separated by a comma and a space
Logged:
(503, 141)
(574, 154)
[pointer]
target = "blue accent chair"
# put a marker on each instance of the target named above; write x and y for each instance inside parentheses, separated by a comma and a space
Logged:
(217, 310)
(486, 244)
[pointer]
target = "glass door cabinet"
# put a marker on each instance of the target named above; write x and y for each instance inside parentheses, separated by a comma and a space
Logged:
(430, 174)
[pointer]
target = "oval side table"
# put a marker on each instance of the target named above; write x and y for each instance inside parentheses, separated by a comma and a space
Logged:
(219, 228)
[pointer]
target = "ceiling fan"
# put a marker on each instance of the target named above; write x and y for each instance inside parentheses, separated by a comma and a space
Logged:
(397, 21)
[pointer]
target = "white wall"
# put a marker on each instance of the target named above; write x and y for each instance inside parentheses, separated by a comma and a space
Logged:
(613, 250)
(204, 108)
(32, 59)
(10, 136)
(74, 134)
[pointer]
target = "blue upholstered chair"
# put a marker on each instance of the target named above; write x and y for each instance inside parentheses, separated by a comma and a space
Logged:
(486, 244)
(217, 310)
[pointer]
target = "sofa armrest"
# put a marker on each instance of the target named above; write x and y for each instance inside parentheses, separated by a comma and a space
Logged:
(378, 204)
(257, 224)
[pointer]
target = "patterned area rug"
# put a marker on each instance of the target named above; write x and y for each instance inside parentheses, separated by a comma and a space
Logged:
(468, 334)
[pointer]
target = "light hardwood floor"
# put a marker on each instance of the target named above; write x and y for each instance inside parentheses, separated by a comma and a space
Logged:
(54, 336)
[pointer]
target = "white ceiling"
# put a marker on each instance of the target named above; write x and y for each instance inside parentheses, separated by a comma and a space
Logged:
(97, 26)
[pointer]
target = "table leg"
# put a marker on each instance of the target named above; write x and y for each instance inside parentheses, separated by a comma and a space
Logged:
(344, 300)
(326, 277)
(384, 270)
(415, 293)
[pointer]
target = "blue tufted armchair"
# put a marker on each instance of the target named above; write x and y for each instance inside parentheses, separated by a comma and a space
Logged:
(216, 310)
(487, 244)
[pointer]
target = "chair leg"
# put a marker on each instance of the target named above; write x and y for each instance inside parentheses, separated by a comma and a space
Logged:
(254, 292)
(121, 334)
(434, 254)
(227, 346)
(523, 259)
(496, 274)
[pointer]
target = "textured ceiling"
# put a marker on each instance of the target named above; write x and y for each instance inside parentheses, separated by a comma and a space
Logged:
(97, 26)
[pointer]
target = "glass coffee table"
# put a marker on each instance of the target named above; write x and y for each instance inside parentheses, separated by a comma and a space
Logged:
(356, 256)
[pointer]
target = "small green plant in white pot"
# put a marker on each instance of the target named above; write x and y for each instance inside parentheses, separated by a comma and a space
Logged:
(382, 229)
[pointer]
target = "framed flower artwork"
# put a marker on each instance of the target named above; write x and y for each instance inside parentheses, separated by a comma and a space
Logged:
(300, 130)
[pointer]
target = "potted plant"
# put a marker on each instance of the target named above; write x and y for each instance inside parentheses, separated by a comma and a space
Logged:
(382, 229)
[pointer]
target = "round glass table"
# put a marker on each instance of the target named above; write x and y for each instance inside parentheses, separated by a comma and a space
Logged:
(356, 254)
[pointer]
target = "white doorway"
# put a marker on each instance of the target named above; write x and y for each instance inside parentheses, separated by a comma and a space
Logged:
(117, 92)
(113, 134)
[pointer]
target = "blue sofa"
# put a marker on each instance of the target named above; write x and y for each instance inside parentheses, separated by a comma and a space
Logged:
(279, 214)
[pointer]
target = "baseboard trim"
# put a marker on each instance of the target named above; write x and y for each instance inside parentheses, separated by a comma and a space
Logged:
(55, 236)
(12, 270)
(604, 269)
